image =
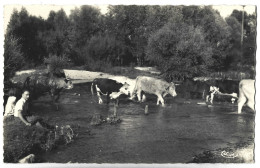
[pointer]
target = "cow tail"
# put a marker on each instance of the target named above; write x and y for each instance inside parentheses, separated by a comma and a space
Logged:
(135, 88)
(92, 89)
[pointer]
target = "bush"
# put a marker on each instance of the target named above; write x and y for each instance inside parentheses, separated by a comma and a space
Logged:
(21, 140)
(56, 64)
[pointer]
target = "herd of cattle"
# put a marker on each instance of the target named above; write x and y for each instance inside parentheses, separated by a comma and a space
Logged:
(143, 85)
(206, 89)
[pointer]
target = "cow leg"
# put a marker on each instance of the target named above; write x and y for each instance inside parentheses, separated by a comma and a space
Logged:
(117, 102)
(211, 97)
(160, 99)
(157, 101)
(143, 98)
(108, 98)
(203, 95)
(241, 101)
(100, 101)
(207, 98)
(139, 95)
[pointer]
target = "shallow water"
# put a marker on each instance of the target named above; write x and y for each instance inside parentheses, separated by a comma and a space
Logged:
(171, 134)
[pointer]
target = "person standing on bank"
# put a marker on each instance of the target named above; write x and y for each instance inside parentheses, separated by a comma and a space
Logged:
(21, 112)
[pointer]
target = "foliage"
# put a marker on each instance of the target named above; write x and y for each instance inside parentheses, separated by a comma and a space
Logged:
(84, 23)
(180, 51)
(55, 37)
(242, 52)
(26, 27)
(100, 66)
(13, 57)
(216, 31)
(56, 64)
(21, 140)
(122, 35)
(104, 47)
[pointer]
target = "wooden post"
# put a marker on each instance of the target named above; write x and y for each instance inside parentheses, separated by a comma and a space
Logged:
(146, 110)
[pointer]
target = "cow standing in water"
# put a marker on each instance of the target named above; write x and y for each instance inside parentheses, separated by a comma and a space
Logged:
(246, 94)
(40, 84)
(111, 88)
(227, 88)
(153, 86)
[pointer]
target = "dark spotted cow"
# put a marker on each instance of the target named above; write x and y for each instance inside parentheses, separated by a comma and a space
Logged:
(111, 88)
(40, 84)
(223, 88)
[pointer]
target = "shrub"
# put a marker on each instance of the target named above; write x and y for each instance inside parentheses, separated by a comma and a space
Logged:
(56, 64)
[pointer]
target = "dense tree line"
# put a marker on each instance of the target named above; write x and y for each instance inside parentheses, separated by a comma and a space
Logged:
(182, 41)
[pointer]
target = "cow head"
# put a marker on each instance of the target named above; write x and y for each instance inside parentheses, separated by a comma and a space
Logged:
(125, 89)
(67, 84)
(213, 89)
(171, 89)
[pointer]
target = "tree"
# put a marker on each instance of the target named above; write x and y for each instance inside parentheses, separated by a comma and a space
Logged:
(25, 27)
(84, 23)
(247, 52)
(133, 25)
(216, 31)
(55, 37)
(234, 54)
(127, 24)
(13, 57)
(106, 48)
(180, 51)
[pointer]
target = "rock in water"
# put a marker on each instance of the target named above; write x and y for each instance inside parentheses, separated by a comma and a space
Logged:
(97, 119)
(113, 119)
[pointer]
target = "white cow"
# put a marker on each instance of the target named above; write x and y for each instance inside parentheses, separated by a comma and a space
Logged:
(153, 86)
(246, 94)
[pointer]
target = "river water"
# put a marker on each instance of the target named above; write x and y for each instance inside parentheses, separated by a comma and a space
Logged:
(171, 134)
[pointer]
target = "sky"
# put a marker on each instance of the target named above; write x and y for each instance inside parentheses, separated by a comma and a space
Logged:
(43, 10)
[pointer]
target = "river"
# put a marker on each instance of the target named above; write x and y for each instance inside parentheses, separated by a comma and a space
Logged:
(171, 134)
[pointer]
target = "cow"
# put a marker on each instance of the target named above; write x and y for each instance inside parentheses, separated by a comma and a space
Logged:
(40, 84)
(246, 94)
(153, 86)
(111, 88)
(222, 88)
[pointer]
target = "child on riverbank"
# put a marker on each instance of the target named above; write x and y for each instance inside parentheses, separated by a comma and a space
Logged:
(9, 108)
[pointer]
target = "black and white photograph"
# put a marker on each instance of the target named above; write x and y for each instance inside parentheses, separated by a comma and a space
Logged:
(128, 83)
